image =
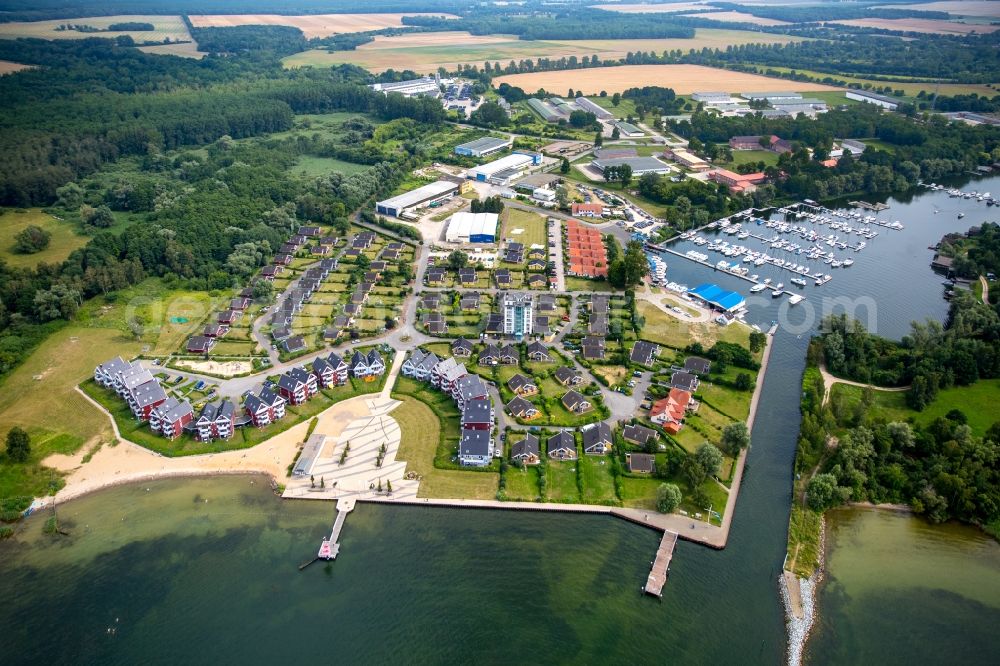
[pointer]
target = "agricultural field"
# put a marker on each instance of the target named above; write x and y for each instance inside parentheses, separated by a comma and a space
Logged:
(737, 17)
(932, 26)
(684, 79)
(170, 28)
(314, 25)
(182, 49)
(8, 67)
(64, 239)
(425, 52)
(984, 8)
(654, 8)
(910, 89)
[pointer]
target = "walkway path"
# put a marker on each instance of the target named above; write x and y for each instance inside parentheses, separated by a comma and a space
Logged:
(829, 380)
(986, 290)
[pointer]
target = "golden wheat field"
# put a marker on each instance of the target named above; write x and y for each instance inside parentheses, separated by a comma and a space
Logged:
(659, 8)
(315, 25)
(921, 25)
(985, 8)
(684, 79)
(426, 52)
(8, 67)
(171, 27)
(737, 17)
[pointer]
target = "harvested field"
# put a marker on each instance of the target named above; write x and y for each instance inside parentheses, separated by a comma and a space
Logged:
(166, 27)
(684, 79)
(425, 52)
(920, 25)
(316, 25)
(8, 67)
(737, 17)
(987, 8)
(659, 8)
(184, 49)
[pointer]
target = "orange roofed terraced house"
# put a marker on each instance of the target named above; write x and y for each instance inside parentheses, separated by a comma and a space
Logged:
(737, 182)
(669, 411)
(586, 252)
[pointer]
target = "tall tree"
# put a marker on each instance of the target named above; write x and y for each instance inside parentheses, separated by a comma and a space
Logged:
(18, 445)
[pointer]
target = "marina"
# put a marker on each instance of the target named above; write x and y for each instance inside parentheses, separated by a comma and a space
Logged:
(805, 239)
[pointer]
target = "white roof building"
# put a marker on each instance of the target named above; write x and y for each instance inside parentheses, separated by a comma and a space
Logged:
(436, 191)
(472, 228)
(516, 163)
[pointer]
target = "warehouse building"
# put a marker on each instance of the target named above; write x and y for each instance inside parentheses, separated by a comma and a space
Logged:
(591, 107)
(440, 190)
(717, 297)
(505, 169)
(472, 228)
(772, 96)
(874, 98)
(629, 130)
(640, 165)
(425, 86)
(548, 113)
(710, 97)
(483, 147)
(808, 106)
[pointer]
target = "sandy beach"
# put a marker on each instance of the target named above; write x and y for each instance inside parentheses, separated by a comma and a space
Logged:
(127, 462)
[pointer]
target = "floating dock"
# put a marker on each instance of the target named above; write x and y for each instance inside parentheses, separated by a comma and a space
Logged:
(661, 565)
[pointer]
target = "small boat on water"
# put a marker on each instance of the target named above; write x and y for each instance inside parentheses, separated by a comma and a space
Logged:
(961, 215)
(757, 288)
(798, 282)
(776, 293)
(795, 299)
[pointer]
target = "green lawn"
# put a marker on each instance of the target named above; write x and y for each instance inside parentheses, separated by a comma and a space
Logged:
(744, 156)
(64, 239)
(560, 481)
(583, 284)
(312, 166)
(531, 227)
(597, 480)
(640, 493)
(978, 403)
(421, 427)
(664, 329)
(522, 484)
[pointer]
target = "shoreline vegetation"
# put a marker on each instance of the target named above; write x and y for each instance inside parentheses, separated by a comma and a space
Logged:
(909, 449)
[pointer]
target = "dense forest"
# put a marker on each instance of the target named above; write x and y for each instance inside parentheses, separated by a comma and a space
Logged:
(569, 23)
(930, 358)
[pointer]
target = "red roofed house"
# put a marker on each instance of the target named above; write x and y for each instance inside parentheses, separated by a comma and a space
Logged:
(737, 182)
(669, 411)
(588, 209)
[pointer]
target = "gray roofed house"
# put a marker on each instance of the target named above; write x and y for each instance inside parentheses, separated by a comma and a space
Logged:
(489, 356)
(593, 348)
(639, 434)
(522, 408)
(538, 352)
(599, 304)
(567, 376)
(502, 276)
(536, 280)
(684, 380)
(561, 446)
(461, 347)
(470, 301)
(522, 385)
(575, 402)
(526, 450)
(597, 439)
(546, 303)
(643, 352)
(641, 463)
(475, 448)
(477, 415)
(430, 301)
(509, 355)
(697, 365)
(540, 325)
(598, 324)
(494, 323)
(295, 343)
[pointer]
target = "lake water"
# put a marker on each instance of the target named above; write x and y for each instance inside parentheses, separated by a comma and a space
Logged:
(901, 591)
(154, 573)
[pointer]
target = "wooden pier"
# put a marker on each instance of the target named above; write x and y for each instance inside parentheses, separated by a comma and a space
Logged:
(661, 565)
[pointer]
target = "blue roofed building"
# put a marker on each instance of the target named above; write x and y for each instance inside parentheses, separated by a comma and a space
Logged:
(717, 297)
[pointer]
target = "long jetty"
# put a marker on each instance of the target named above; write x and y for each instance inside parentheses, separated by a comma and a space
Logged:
(661, 565)
(329, 548)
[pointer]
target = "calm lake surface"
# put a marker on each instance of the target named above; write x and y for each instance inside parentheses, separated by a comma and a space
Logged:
(205, 570)
(901, 591)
